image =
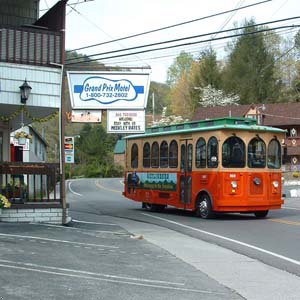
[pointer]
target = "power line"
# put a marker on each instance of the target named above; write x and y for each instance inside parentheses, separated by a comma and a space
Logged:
(187, 44)
(94, 24)
(181, 39)
(170, 26)
(176, 52)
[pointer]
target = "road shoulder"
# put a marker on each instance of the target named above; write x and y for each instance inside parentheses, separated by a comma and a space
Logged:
(250, 278)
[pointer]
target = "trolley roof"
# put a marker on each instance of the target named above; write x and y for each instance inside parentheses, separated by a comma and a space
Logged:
(206, 125)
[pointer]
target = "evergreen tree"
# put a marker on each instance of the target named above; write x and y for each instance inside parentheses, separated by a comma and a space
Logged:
(250, 69)
(204, 73)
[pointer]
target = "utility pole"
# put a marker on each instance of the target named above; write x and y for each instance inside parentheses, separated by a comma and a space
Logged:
(62, 124)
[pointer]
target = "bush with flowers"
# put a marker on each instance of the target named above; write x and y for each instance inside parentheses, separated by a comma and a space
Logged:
(23, 134)
(4, 203)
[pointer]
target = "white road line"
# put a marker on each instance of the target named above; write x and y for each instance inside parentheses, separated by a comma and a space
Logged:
(94, 223)
(114, 281)
(54, 240)
(287, 207)
(69, 185)
(293, 261)
(90, 273)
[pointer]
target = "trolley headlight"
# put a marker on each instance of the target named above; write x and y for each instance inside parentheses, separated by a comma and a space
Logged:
(234, 184)
(275, 184)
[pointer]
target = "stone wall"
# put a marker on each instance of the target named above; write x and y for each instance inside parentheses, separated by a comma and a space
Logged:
(41, 215)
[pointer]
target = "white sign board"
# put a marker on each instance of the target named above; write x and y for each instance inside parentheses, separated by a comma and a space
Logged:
(86, 116)
(69, 149)
(108, 90)
(125, 121)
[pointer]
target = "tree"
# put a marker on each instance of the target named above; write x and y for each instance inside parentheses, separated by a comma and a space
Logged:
(204, 72)
(94, 151)
(181, 65)
(168, 120)
(160, 91)
(181, 104)
(212, 97)
(250, 69)
(209, 72)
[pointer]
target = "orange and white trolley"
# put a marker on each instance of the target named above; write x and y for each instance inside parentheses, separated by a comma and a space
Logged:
(212, 166)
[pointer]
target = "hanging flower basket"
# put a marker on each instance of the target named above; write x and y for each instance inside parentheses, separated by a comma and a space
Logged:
(4, 203)
(21, 141)
(21, 136)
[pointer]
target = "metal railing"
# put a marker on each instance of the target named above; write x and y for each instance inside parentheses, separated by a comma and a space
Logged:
(30, 46)
(29, 182)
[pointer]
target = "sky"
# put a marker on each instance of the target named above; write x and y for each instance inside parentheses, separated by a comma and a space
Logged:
(99, 21)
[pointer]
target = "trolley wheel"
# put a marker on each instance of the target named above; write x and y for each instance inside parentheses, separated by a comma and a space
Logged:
(204, 207)
(261, 214)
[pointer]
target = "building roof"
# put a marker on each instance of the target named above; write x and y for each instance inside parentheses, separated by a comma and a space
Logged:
(228, 123)
(120, 147)
(38, 135)
(276, 114)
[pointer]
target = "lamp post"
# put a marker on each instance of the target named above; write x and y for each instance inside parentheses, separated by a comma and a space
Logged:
(25, 90)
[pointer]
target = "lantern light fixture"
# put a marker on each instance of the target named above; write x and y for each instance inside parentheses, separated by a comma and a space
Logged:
(25, 90)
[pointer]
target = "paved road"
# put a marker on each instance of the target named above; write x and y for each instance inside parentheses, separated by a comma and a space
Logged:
(274, 241)
(115, 250)
(95, 258)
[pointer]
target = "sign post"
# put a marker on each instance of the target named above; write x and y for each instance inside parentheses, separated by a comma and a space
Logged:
(69, 150)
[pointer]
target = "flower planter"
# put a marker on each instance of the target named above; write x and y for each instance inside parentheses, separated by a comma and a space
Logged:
(22, 141)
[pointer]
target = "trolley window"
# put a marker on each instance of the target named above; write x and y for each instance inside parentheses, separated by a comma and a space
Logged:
(183, 158)
(155, 155)
(201, 153)
(163, 156)
(274, 155)
(134, 156)
(233, 153)
(212, 153)
(146, 155)
(190, 157)
(256, 153)
(173, 154)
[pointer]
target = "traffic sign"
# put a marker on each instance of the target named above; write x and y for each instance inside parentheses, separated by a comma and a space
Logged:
(69, 149)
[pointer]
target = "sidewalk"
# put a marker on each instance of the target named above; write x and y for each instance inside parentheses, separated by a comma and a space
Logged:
(248, 277)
